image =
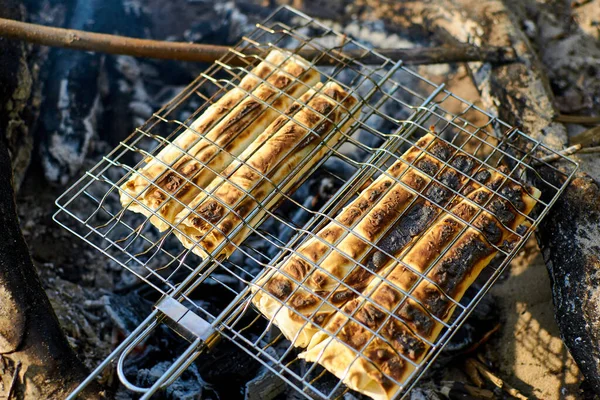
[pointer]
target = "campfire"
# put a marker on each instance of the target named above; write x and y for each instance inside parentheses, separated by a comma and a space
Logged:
(307, 165)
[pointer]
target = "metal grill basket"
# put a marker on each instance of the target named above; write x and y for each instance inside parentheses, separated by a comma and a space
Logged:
(396, 106)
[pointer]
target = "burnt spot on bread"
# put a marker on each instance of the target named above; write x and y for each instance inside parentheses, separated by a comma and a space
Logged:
(379, 260)
(501, 210)
(211, 211)
(440, 150)
(293, 109)
(318, 279)
(495, 184)
(303, 301)
(370, 316)
(226, 226)
(463, 163)
(480, 197)
(483, 176)
(279, 287)
(172, 182)
(342, 296)
(435, 301)
(418, 319)
(354, 335)
(451, 179)
(459, 262)
(320, 318)
(413, 223)
(386, 296)
(489, 228)
(281, 81)
(403, 340)
(247, 108)
(297, 268)
(428, 166)
(521, 229)
(387, 361)
(514, 194)
(276, 126)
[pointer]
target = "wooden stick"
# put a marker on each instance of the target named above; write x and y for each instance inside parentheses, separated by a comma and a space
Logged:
(13, 382)
(577, 119)
(590, 137)
(558, 155)
(589, 150)
(99, 42)
(486, 373)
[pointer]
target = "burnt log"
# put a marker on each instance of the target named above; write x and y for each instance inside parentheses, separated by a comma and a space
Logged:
(30, 335)
(520, 93)
(29, 331)
(15, 88)
(571, 250)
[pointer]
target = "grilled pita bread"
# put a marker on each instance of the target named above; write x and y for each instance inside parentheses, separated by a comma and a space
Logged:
(263, 166)
(391, 199)
(160, 189)
(411, 322)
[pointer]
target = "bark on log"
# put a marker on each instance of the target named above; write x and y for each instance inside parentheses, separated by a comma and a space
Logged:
(29, 331)
(15, 87)
(520, 94)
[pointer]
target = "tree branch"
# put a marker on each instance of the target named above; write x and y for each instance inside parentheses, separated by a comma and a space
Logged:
(99, 42)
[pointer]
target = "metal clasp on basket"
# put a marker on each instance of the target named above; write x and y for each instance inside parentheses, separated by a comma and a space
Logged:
(183, 321)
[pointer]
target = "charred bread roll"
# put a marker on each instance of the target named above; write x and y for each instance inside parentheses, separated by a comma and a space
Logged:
(160, 190)
(403, 322)
(269, 160)
(276, 289)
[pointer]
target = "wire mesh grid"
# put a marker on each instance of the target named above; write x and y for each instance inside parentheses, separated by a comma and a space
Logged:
(396, 107)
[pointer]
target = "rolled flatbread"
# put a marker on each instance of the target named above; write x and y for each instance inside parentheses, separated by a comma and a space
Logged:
(263, 166)
(403, 322)
(160, 190)
(276, 289)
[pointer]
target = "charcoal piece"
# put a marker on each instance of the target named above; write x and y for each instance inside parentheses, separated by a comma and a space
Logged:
(126, 311)
(188, 387)
(227, 369)
(266, 386)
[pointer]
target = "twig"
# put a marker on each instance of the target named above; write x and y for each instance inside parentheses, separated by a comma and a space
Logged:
(13, 382)
(577, 119)
(589, 150)
(486, 373)
(483, 340)
(556, 156)
(587, 138)
(99, 42)
(455, 389)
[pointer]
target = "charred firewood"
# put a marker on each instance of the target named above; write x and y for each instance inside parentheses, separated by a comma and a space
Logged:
(29, 331)
(15, 88)
(571, 250)
(30, 335)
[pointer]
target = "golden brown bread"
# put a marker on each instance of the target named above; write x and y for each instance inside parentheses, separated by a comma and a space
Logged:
(275, 289)
(453, 273)
(232, 123)
(263, 166)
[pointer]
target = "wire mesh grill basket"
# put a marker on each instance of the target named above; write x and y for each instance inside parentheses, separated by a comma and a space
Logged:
(396, 107)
